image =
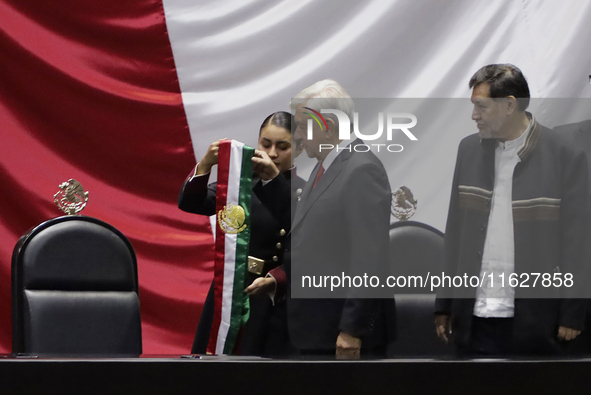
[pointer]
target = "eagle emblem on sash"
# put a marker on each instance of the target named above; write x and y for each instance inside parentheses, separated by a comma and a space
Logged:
(231, 219)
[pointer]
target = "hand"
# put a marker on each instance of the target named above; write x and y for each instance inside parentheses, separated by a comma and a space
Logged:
(264, 166)
(209, 159)
(260, 285)
(348, 346)
(567, 334)
(443, 327)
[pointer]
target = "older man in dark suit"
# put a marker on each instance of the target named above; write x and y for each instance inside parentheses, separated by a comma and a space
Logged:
(340, 225)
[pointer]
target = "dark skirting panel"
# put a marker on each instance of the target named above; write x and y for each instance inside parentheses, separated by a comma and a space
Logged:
(212, 375)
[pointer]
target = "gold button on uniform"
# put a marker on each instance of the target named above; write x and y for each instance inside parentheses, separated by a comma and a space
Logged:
(282, 232)
(278, 245)
(275, 258)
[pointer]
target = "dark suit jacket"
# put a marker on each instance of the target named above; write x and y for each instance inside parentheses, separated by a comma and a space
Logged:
(340, 225)
(580, 134)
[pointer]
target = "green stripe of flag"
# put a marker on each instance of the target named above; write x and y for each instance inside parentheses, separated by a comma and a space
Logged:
(240, 300)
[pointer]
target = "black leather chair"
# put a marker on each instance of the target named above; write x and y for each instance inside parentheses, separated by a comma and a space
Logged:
(416, 249)
(75, 290)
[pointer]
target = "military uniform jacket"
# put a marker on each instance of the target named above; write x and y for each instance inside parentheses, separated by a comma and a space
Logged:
(267, 240)
(266, 236)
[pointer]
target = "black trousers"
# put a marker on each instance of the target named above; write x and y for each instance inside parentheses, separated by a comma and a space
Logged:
(490, 336)
(265, 334)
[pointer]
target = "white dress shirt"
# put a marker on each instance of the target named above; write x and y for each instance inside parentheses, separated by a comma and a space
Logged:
(498, 257)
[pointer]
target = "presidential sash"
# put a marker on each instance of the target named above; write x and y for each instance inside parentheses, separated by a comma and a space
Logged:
(233, 200)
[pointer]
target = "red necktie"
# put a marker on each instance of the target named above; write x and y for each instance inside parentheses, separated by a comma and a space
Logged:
(318, 175)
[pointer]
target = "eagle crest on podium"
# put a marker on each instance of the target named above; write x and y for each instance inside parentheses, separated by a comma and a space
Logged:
(404, 205)
(71, 198)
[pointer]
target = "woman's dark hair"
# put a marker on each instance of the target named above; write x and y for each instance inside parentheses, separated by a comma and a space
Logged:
(503, 80)
(280, 119)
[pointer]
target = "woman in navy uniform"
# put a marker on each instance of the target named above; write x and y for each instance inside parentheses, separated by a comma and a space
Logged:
(265, 333)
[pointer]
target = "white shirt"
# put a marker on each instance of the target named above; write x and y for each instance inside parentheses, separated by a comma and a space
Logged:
(498, 257)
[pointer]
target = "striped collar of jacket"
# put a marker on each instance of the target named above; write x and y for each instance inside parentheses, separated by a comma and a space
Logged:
(530, 142)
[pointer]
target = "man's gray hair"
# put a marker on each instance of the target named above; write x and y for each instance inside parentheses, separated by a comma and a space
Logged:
(325, 94)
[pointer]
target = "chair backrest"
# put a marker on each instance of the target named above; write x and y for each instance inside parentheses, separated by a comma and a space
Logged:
(75, 290)
(415, 330)
(416, 249)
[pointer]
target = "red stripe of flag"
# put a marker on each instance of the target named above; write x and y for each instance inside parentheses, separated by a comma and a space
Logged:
(221, 198)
